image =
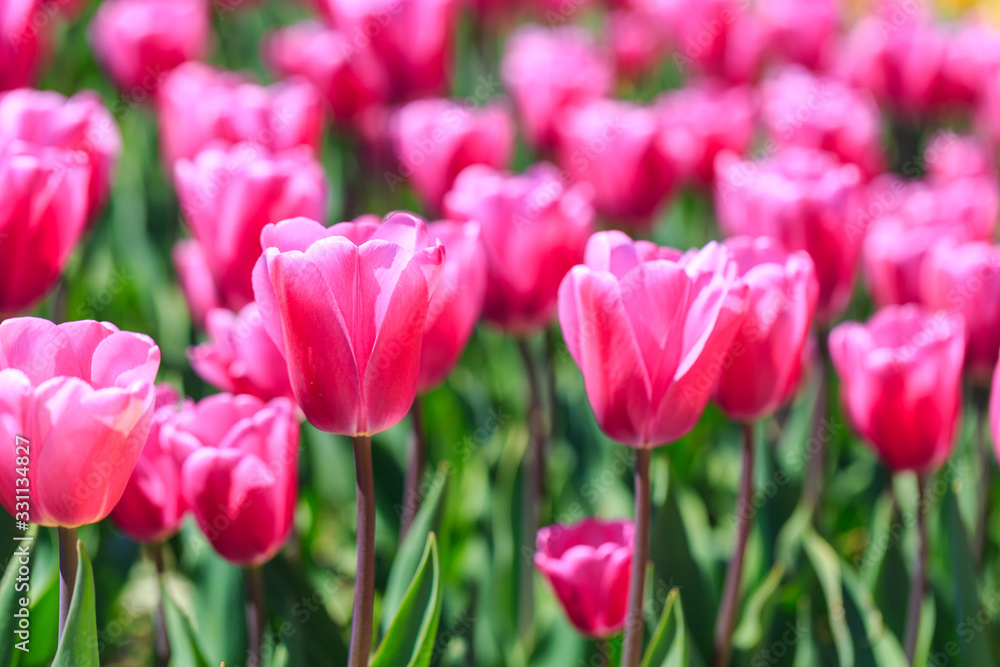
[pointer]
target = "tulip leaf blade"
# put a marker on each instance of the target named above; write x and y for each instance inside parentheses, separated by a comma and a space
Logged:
(669, 647)
(754, 620)
(409, 642)
(79, 639)
(826, 564)
(185, 647)
(10, 602)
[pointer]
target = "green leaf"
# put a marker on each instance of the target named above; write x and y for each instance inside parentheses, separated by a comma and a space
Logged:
(185, 648)
(669, 646)
(78, 646)
(410, 639)
(754, 621)
(884, 644)
(826, 564)
(10, 603)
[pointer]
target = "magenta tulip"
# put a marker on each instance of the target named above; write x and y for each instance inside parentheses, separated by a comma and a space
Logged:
(81, 394)
(138, 42)
(718, 38)
(349, 318)
(649, 328)
(534, 229)
(950, 157)
(764, 363)
(901, 383)
(639, 39)
(588, 564)
(23, 42)
(802, 31)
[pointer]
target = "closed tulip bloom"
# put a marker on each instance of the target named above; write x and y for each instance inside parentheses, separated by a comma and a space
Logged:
(239, 357)
(547, 71)
(200, 106)
(949, 157)
(43, 213)
(436, 139)
(81, 394)
(152, 507)
(806, 200)
(718, 38)
(965, 278)
(226, 198)
(971, 60)
(638, 39)
(901, 383)
(349, 318)
(23, 44)
(138, 42)
(765, 361)
(239, 475)
(803, 31)
(588, 564)
(616, 147)
(534, 229)
(650, 329)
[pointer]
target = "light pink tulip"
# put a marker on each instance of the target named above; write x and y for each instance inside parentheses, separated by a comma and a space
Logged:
(764, 363)
(24, 41)
(949, 157)
(650, 329)
(638, 41)
(534, 229)
(588, 564)
(901, 383)
(82, 395)
(802, 31)
(719, 38)
(349, 318)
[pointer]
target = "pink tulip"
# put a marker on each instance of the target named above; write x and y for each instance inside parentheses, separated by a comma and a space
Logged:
(807, 201)
(639, 38)
(720, 38)
(24, 41)
(650, 329)
(82, 395)
(949, 157)
(615, 147)
(699, 122)
(43, 212)
(800, 108)
(199, 106)
(547, 71)
(803, 31)
(972, 59)
(227, 197)
(349, 318)
(152, 506)
(78, 124)
(138, 42)
(588, 564)
(765, 361)
(901, 383)
(965, 278)
(534, 230)
(352, 80)
(436, 139)
(239, 357)
(240, 461)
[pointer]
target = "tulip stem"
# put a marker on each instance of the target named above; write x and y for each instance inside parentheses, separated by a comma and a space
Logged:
(986, 465)
(726, 619)
(533, 486)
(414, 469)
(634, 625)
(364, 583)
(68, 562)
(813, 481)
(256, 615)
(162, 638)
(919, 574)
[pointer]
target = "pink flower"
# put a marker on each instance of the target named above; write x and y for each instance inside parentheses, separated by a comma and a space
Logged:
(588, 564)
(349, 318)
(352, 80)
(803, 31)
(24, 41)
(79, 124)
(200, 106)
(239, 357)
(82, 395)
(949, 157)
(901, 383)
(639, 38)
(240, 460)
(615, 147)
(972, 60)
(227, 197)
(138, 42)
(649, 329)
(765, 361)
(800, 108)
(720, 38)
(534, 229)
(152, 506)
(435, 139)
(965, 278)
(43, 212)
(547, 71)
(807, 201)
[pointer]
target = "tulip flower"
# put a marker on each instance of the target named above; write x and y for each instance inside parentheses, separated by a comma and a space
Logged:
(79, 124)
(639, 39)
(547, 71)
(718, 38)
(807, 201)
(239, 357)
(534, 229)
(803, 31)
(43, 213)
(435, 139)
(23, 43)
(227, 197)
(588, 565)
(200, 106)
(950, 157)
(615, 147)
(138, 42)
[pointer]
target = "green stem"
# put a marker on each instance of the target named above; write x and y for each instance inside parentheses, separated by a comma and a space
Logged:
(68, 562)
(364, 585)
(634, 625)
